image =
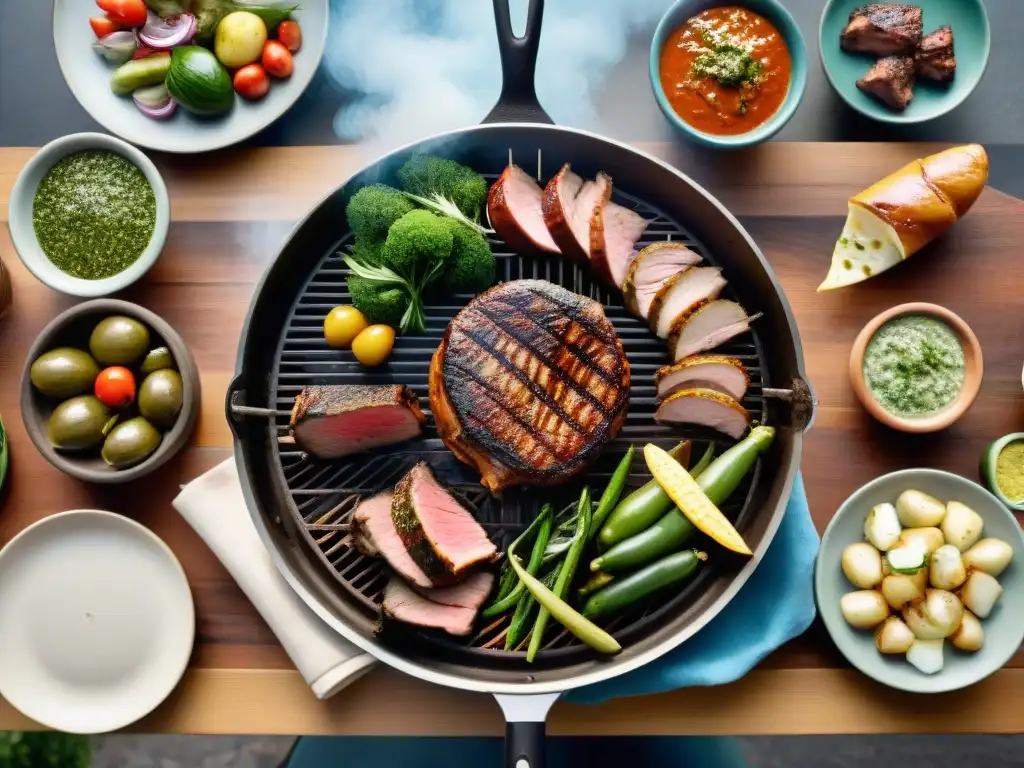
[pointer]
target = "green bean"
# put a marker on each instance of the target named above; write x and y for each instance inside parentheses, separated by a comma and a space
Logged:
(526, 613)
(512, 599)
(636, 586)
(610, 497)
(509, 580)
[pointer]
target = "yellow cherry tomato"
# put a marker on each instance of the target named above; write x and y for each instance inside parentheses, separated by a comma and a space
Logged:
(342, 325)
(373, 346)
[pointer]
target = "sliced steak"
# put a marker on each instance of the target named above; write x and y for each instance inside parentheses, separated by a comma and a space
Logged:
(529, 383)
(650, 269)
(375, 535)
(470, 593)
(403, 604)
(336, 420)
(934, 58)
(682, 294)
(442, 537)
(514, 209)
(722, 374)
(558, 206)
(614, 231)
(709, 326)
(890, 80)
(706, 408)
(883, 29)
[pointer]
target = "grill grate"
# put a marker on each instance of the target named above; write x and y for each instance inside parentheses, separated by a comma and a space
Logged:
(323, 494)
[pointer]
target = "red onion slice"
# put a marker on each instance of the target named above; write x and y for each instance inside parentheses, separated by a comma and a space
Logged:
(158, 113)
(161, 34)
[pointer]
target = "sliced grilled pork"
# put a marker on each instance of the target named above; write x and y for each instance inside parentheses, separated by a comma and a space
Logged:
(334, 421)
(682, 294)
(706, 408)
(934, 58)
(558, 206)
(441, 536)
(514, 208)
(722, 374)
(890, 80)
(452, 610)
(882, 29)
(650, 269)
(375, 535)
(614, 231)
(709, 326)
(529, 384)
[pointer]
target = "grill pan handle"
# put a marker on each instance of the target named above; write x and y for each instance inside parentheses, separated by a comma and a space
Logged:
(518, 100)
(525, 728)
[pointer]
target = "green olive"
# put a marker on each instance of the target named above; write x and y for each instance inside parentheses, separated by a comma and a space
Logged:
(64, 372)
(157, 360)
(80, 422)
(119, 340)
(130, 442)
(160, 397)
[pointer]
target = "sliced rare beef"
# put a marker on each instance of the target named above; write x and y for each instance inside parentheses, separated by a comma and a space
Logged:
(891, 81)
(706, 408)
(375, 535)
(452, 610)
(709, 326)
(883, 29)
(935, 59)
(682, 294)
(650, 269)
(558, 205)
(441, 536)
(336, 420)
(614, 231)
(514, 209)
(718, 372)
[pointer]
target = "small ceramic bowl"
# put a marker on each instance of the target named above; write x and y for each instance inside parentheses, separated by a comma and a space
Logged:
(989, 461)
(971, 42)
(23, 232)
(1003, 629)
(72, 328)
(776, 13)
(973, 362)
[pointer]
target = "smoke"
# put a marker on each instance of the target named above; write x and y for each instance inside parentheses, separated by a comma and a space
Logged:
(419, 67)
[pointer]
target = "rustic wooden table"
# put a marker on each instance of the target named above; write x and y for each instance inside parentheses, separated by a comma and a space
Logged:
(233, 210)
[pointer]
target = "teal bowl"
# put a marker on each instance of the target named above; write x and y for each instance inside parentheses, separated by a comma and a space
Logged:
(775, 12)
(1003, 629)
(971, 42)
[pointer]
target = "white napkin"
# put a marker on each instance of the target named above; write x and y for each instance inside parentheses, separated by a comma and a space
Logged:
(213, 504)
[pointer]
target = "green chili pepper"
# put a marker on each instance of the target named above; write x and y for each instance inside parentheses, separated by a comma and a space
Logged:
(568, 570)
(636, 586)
(700, 466)
(526, 613)
(611, 494)
(644, 506)
(596, 582)
(725, 473)
(512, 599)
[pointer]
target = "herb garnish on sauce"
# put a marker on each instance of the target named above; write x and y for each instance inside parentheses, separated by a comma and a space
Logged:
(729, 64)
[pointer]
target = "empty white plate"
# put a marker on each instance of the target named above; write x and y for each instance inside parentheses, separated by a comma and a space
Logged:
(96, 621)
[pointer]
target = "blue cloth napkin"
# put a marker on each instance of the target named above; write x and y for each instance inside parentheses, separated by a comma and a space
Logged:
(774, 606)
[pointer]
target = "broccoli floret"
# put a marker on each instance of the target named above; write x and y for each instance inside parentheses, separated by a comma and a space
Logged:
(415, 244)
(373, 209)
(428, 176)
(367, 252)
(379, 302)
(471, 267)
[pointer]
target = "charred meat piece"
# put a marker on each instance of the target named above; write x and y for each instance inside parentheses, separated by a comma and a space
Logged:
(514, 208)
(453, 609)
(681, 295)
(882, 29)
(614, 231)
(722, 374)
(890, 80)
(650, 269)
(709, 326)
(558, 206)
(336, 420)
(934, 58)
(706, 408)
(529, 383)
(374, 534)
(440, 535)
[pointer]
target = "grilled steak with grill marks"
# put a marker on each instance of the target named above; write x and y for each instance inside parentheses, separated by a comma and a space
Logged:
(529, 383)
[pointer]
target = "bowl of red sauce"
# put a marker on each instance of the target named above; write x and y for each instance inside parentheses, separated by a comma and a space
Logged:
(728, 75)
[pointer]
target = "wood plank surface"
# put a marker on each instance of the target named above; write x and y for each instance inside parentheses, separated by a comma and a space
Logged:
(232, 211)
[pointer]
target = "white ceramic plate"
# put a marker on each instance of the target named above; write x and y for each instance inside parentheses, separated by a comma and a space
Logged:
(88, 76)
(96, 621)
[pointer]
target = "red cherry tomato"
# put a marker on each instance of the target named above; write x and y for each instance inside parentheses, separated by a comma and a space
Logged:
(130, 13)
(103, 25)
(143, 52)
(251, 82)
(115, 387)
(277, 59)
(289, 33)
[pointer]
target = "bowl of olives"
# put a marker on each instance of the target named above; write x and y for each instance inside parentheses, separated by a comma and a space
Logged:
(109, 392)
